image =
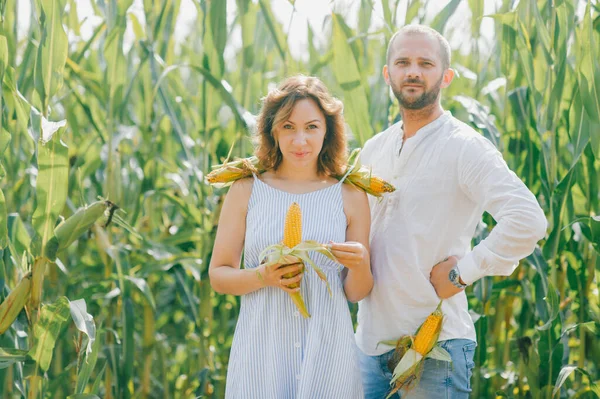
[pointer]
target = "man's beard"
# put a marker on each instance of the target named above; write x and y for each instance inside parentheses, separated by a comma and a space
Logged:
(424, 100)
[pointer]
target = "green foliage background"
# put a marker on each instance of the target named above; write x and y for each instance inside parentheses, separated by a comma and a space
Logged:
(142, 126)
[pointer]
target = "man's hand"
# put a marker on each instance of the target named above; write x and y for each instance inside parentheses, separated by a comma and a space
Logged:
(350, 253)
(439, 278)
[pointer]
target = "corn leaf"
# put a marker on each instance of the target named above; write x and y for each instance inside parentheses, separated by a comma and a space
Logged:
(274, 28)
(18, 238)
(588, 70)
(10, 356)
(51, 187)
(347, 74)
(143, 286)
(52, 53)
(47, 330)
(440, 20)
(566, 371)
(3, 222)
(553, 307)
(84, 322)
(217, 33)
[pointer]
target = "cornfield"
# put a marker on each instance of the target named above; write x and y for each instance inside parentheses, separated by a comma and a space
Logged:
(110, 123)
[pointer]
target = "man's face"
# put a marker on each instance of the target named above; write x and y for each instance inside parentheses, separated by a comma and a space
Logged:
(415, 71)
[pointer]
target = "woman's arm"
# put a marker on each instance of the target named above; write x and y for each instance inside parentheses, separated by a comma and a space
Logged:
(354, 253)
(224, 271)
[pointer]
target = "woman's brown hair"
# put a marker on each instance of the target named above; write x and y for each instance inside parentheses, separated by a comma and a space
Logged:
(277, 108)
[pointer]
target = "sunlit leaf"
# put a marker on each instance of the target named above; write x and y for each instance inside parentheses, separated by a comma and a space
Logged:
(46, 331)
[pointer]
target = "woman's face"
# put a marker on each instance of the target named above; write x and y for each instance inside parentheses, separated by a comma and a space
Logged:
(301, 136)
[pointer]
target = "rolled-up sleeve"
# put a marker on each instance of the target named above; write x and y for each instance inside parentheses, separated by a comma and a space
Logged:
(486, 179)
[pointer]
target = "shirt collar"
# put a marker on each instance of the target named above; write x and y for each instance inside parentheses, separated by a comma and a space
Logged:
(425, 130)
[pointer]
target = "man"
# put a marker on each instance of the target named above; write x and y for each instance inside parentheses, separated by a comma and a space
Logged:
(446, 175)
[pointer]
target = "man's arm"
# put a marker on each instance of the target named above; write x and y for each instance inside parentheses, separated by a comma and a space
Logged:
(521, 223)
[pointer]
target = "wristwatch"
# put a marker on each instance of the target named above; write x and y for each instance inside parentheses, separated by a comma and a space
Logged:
(454, 277)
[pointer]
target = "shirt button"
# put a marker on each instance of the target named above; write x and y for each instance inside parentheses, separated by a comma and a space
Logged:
(297, 344)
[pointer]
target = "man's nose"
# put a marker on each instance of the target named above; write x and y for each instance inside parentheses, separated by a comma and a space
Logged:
(413, 71)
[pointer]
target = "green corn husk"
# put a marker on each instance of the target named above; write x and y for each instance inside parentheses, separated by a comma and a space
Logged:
(279, 253)
(74, 226)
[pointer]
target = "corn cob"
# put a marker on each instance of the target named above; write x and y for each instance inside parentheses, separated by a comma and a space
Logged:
(380, 186)
(293, 250)
(292, 233)
(292, 236)
(409, 358)
(226, 175)
(14, 302)
(428, 333)
(358, 176)
(78, 223)
(228, 172)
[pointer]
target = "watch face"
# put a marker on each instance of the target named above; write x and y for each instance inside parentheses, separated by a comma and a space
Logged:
(453, 275)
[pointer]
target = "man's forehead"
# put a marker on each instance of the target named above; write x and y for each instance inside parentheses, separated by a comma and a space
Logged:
(412, 45)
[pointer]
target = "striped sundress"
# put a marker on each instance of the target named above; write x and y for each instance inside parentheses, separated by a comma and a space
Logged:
(276, 353)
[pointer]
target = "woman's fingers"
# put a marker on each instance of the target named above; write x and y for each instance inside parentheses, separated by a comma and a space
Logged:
(293, 268)
(286, 282)
(290, 290)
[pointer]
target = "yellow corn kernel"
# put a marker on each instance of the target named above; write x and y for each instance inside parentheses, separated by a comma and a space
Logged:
(378, 185)
(428, 333)
(292, 231)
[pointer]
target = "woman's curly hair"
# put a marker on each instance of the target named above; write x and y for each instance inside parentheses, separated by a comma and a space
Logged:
(277, 108)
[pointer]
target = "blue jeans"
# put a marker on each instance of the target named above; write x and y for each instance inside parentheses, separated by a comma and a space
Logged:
(439, 380)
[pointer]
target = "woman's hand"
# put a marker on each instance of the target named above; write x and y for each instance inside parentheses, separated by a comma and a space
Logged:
(351, 254)
(282, 275)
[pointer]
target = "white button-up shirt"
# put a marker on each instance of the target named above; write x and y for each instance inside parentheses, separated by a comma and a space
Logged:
(446, 176)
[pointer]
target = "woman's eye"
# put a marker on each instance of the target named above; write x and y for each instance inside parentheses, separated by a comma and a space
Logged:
(287, 126)
(312, 127)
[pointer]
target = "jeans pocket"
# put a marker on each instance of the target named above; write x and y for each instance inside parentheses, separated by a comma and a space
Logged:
(469, 351)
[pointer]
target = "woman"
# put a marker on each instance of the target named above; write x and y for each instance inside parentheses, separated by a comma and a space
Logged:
(275, 352)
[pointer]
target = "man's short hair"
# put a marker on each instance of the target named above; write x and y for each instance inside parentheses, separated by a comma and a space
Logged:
(445, 51)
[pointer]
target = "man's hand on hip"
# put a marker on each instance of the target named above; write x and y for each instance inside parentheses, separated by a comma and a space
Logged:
(439, 278)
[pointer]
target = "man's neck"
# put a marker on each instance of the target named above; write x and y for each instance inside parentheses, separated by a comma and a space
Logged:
(415, 119)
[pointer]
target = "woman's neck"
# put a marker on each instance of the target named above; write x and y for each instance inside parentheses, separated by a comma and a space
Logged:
(287, 172)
